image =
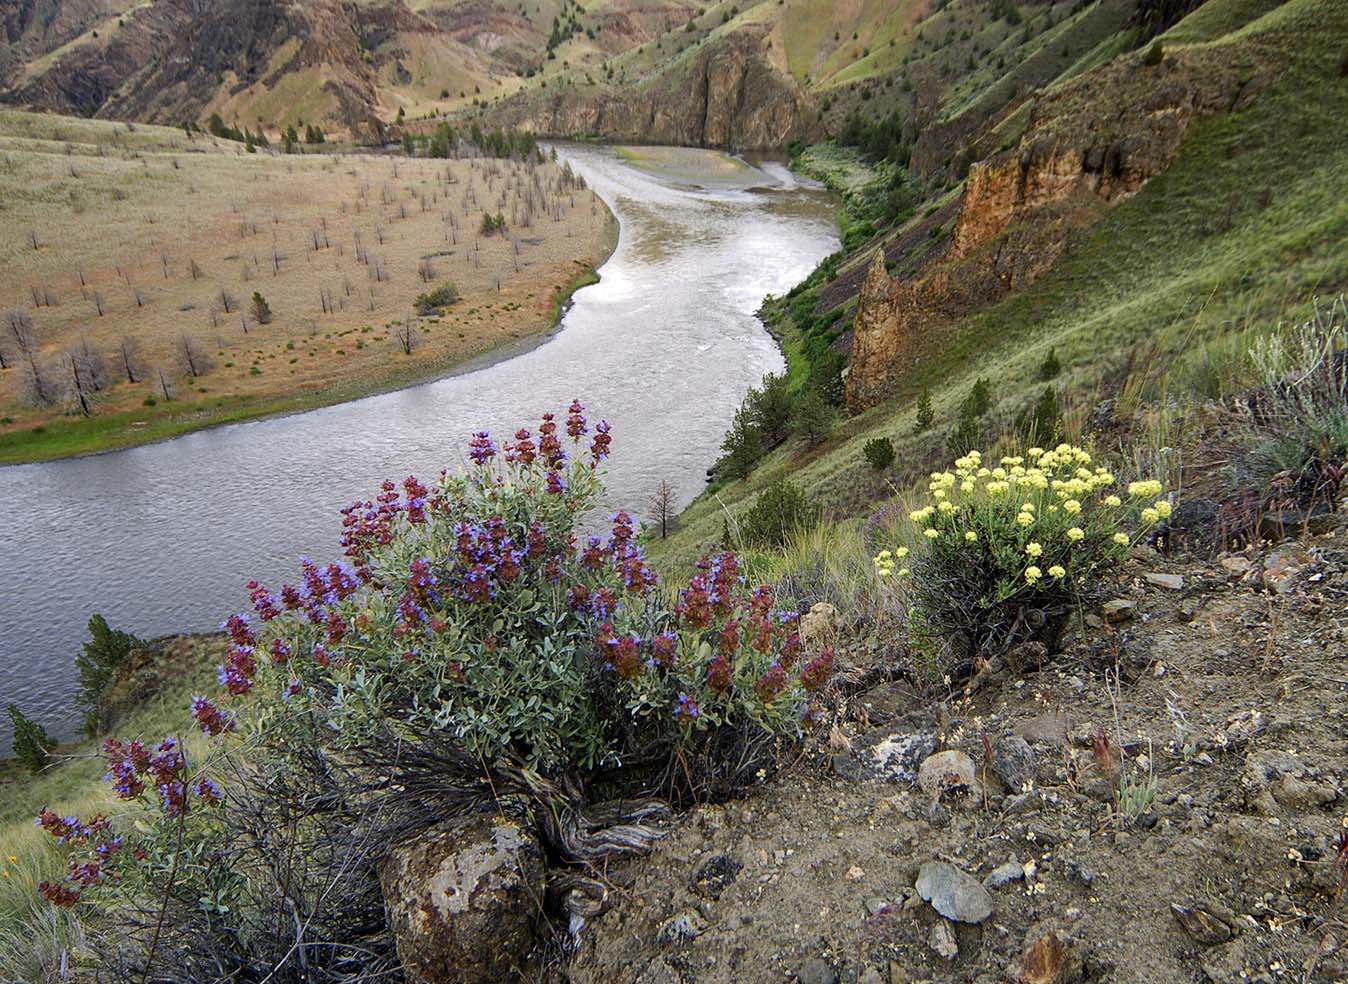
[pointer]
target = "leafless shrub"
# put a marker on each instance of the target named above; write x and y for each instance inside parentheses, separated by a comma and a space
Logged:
(406, 335)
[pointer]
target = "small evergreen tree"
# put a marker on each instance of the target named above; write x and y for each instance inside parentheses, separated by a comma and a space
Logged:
(980, 397)
(261, 309)
(965, 437)
(812, 417)
(1155, 54)
(879, 453)
(926, 416)
(1050, 367)
(1042, 423)
(743, 446)
(106, 652)
(32, 745)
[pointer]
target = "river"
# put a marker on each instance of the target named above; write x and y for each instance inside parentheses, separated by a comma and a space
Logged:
(162, 538)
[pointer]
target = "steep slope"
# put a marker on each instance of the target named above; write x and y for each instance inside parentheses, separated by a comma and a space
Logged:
(1148, 284)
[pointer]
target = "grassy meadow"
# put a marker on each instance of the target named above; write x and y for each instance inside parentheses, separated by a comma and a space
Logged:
(130, 255)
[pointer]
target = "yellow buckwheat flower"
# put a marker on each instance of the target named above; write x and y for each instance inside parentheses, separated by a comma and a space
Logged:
(1076, 533)
(1150, 515)
(931, 534)
(1071, 506)
(1162, 508)
(1144, 489)
(971, 536)
(1025, 519)
(1033, 574)
(1113, 500)
(1033, 549)
(1121, 539)
(901, 552)
(1057, 571)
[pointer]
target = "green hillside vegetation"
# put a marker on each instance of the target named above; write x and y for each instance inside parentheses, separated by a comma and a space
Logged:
(1153, 309)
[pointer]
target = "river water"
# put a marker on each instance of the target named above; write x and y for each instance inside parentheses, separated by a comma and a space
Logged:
(162, 538)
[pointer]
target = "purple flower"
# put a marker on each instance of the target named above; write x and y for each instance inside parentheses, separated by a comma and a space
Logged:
(481, 449)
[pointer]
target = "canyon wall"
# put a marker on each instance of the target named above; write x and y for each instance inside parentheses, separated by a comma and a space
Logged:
(1089, 145)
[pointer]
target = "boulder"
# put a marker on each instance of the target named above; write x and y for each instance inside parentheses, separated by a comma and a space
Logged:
(463, 900)
(947, 773)
(1015, 763)
(819, 626)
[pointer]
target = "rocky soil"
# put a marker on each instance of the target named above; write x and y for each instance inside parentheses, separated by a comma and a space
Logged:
(1162, 801)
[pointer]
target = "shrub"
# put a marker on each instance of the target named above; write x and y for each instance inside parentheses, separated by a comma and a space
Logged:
(105, 654)
(879, 453)
(492, 223)
(1296, 425)
(32, 745)
(1050, 367)
(1003, 555)
(261, 309)
(1155, 54)
(469, 652)
(436, 301)
(779, 511)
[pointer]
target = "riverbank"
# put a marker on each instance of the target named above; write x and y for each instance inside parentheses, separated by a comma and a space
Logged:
(295, 285)
(69, 437)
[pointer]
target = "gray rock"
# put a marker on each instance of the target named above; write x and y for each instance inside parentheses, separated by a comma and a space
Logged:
(687, 925)
(462, 900)
(942, 941)
(896, 757)
(1004, 875)
(816, 971)
(1015, 763)
(1171, 582)
(1118, 610)
(953, 893)
(1201, 925)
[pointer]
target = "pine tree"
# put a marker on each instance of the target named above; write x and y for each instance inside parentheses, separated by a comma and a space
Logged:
(32, 744)
(925, 414)
(106, 652)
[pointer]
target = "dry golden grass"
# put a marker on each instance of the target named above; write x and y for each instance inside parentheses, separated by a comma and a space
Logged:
(164, 233)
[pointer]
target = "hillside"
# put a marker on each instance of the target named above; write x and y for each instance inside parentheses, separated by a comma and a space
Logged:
(1143, 222)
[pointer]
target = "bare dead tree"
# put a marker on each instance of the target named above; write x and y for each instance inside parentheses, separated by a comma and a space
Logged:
(426, 270)
(662, 505)
(32, 239)
(92, 367)
(38, 382)
(193, 269)
(405, 334)
(79, 383)
(195, 360)
(228, 303)
(128, 354)
(164, 385)
(97, 298)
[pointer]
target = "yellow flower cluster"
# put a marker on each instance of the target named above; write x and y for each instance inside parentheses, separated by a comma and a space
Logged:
(1038, 492)
(886, 562)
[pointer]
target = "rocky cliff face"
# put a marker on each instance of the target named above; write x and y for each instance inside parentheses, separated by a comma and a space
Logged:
(1089, 145)
(172, 59)
(730, 95)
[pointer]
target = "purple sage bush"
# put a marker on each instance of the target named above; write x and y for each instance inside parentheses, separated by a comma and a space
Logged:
(472, 625)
